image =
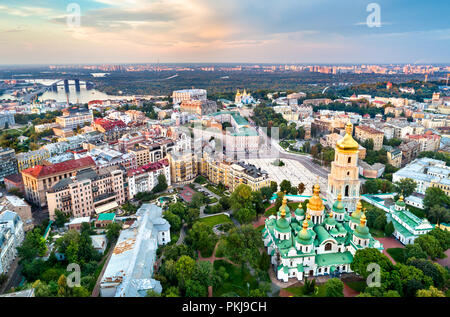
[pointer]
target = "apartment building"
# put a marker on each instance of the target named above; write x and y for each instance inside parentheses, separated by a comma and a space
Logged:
(188, 94)
(129, 140)
(74, 117)
(199, 107)
(233, 174)
(8, 163)
(145, 178)
(363, 133)
(428, 141)
(88, 192)
(29, 159)
(183, 167)
(112, 129)
(11, 237)
(37, 180)
(410, 150)
(394, 157)
(20, 207)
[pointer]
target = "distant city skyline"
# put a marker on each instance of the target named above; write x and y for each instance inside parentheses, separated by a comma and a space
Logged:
(232, 31)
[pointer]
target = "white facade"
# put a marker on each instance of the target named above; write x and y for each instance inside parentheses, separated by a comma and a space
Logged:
(11, 237)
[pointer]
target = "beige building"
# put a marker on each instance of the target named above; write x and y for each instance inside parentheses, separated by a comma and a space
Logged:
(395, 158)
(364, 133)
(88, 193)
(37, 180)
(142, 155)
(183, 167)
(343, 178)
(20, 207)
(233, 174)
(75, 117)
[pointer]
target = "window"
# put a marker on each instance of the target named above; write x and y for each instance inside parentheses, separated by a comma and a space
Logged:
(349, 160)
(346, 191)
(328, 246)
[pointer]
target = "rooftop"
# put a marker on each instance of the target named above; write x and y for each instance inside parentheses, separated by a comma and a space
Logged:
(58, 168)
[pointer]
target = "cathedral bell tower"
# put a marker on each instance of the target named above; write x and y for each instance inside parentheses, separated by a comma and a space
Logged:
(343, 178)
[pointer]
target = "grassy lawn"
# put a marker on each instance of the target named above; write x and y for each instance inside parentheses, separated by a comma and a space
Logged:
(237, 280)
(297, 291)
(358, 286)
(397, 254)
(215, 220)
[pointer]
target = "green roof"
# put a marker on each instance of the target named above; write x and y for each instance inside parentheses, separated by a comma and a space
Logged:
(322, 233)
(337, 258)
(106, 217)
(362, 232)
(282, 225)
(299, 212)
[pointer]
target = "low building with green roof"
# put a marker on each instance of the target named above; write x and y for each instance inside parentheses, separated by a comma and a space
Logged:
(407, 226)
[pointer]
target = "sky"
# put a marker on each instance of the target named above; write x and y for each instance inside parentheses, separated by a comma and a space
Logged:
(223, 31)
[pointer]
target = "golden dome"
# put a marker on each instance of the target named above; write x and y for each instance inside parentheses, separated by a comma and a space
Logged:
(347, 143)
(315, 202)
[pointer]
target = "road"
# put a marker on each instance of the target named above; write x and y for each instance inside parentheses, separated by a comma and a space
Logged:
(274, 150)
(14, 276)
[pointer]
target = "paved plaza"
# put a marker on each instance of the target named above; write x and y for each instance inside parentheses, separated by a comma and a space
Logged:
(293, 171)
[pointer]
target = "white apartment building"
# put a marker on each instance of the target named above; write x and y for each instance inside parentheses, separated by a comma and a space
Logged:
(11, 237)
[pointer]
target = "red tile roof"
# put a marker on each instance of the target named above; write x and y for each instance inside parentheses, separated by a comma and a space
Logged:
(108, 124)
(47, 170)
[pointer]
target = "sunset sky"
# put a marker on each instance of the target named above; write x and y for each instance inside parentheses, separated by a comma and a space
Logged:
(261, 31)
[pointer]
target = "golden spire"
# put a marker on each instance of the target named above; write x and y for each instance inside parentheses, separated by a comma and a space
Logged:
(363, 218)
(305, 225)
(283, 213)
(339, 197)
(330, 214)
(357, 212)
(308, 216)
(315, 202)
(284, 199)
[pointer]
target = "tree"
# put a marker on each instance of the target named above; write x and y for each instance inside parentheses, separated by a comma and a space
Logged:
(301, 188)
(242, 245)
(244, 215)
(185, 267)
(225, 202)
(174, 220)
(113, 231)
(241, 197)
(443, 236)
(33, 245)
(266, 193)
(439, 214)
(407, 186)
(435, 196)
(201, 237)
(414, 251)
(162, 184)
(274, 186)
(152, 293)
(371, 186)
(62, 286)
(430, 292)
(195, 289)
(197, 200)
(430, 245)
(389, 229)
(285, 186)
(334, 288)
(366, 256)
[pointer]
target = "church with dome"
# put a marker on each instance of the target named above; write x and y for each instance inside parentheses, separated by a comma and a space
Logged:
(243, 98)
(322, 239)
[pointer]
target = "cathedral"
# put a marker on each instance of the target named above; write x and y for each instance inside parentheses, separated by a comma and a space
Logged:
(322, 240)
(244, 98)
